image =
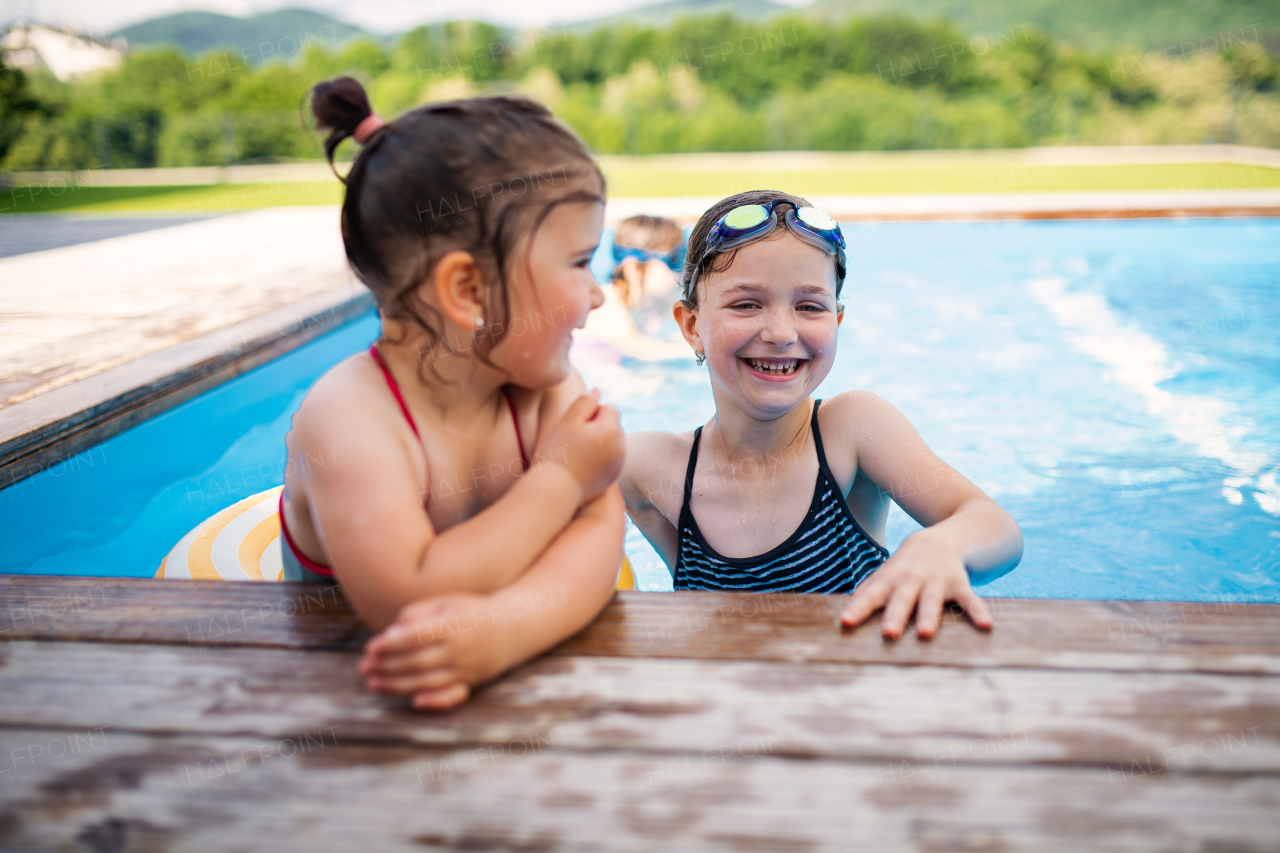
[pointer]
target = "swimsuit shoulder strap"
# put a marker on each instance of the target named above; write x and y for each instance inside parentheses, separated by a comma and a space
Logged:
(395, 389)
(511, 404)
(823, 467)
(693, 463)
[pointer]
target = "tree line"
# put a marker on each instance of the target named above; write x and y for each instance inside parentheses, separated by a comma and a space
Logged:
(715, 83)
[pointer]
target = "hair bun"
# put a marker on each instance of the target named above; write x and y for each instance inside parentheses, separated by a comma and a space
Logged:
(339, 106)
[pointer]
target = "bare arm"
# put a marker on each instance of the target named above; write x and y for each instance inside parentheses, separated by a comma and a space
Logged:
(438, 648)
(385, 550)
(964, 529)
(650, 487)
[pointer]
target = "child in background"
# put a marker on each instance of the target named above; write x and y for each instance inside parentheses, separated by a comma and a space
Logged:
(471, 473)
(778, 492)
(641, 291)
(648, 250)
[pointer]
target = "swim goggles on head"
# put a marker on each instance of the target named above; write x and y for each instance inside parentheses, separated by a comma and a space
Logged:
(751, 222)
(673, 259)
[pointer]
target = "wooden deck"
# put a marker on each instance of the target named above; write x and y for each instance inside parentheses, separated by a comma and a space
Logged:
(153, 715)
(125, 327)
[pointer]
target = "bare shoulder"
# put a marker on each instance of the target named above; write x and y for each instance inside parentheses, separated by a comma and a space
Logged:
(656, 461)
(659, 447)
(349, 403)
(860, 420)
(857, 409)
(544, 407)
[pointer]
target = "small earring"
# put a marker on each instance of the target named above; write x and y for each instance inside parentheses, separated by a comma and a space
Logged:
(479, 322)
(702, 358)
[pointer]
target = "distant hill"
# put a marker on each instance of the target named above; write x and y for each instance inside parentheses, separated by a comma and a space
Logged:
(279, 34)
(661, 14)
(1091, 24)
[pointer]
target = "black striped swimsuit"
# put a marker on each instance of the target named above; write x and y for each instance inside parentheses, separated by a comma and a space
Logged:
(828, 552)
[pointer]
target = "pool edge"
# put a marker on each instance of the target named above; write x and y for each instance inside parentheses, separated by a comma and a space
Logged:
(55, 426)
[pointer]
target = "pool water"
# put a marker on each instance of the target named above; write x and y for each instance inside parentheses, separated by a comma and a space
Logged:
(117, 508)
(1114, 385)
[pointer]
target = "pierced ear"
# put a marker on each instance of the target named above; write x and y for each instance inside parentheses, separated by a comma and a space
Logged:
(458, 286)
(687, 319)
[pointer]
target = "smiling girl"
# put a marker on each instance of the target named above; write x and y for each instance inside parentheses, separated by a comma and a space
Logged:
(782, 492)
(469, 475)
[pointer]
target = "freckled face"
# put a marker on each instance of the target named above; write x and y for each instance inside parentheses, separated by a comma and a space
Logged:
(552, 290)
(768, 324)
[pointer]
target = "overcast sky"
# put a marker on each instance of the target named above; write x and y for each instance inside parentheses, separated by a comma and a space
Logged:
(382, 16)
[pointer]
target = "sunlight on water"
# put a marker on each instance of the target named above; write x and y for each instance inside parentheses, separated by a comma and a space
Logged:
(1115, 385)
(1112, 384)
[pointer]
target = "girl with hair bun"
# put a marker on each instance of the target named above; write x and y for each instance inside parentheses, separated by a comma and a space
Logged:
(466, 502)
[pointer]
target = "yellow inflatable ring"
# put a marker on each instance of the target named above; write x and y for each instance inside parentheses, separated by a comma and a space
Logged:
(242, 543)
(239, 543)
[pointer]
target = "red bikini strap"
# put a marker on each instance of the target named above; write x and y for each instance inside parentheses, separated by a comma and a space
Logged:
(511, 404)
(307, 562)
(395, 389)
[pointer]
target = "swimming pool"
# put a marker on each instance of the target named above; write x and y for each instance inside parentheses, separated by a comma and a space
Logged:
(1112, 384)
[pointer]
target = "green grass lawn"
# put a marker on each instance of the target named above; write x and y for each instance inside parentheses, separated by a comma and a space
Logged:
(185, 200)
(638, 177)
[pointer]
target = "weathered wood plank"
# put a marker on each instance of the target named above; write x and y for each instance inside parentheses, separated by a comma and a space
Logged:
(1118, 635)
(1160, 635)
(289, 615)
(321, 791)
(893, 714)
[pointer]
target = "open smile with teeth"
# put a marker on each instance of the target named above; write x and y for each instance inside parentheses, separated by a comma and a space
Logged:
(775, 366)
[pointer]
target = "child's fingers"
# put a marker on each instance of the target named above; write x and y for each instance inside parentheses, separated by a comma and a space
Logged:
(929, 611)
(582, 409)
(443, 698)
(415, 627)
(414, 682)
(607, 415)
(415, 660)
(979, 613)
(398, 639)
(898, 610)
(867, 600)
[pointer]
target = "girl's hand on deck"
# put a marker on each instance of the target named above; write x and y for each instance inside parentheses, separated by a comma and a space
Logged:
(588, 443)
(437, 650)
(922, 577)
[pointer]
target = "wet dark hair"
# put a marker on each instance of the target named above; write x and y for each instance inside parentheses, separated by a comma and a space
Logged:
(721, 261)
(477, 175)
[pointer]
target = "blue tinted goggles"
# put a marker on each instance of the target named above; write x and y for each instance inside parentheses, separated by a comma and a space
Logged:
(673, 259)
(752, 222)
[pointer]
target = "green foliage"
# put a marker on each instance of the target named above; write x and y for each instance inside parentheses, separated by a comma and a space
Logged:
(282, 34)
(1091, 24)
(16, 104)
(710, 83)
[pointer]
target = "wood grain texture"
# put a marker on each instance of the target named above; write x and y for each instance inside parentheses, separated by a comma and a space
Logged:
(1121, 635)
(319, 792)
(1108, 635)
(1176, 721)
(137, 610)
